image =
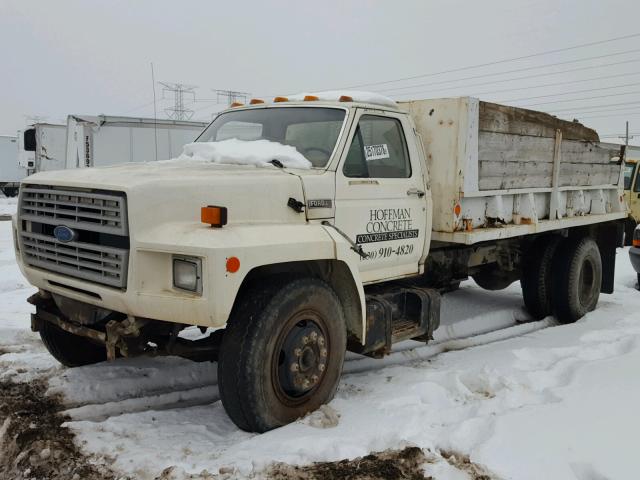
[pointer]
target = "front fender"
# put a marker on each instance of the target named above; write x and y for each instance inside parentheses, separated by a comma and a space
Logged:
(255, 245)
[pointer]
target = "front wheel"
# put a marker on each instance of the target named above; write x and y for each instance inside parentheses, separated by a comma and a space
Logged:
(69, 349)
(282, 353)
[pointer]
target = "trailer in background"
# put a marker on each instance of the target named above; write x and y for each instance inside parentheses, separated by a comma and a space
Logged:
(96, 141)
(41, 147)
(10, 172)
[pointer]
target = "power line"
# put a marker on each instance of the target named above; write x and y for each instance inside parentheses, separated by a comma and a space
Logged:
(497, 62)
(541, 85)
(595, 106)
(484, 75)
(571, 93)
(557, 83)
(527, 77)
(613, 110)
(624, 114)
(577, 99)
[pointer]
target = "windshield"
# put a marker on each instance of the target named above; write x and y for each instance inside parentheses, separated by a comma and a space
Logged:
(628, 174)
(313, 131)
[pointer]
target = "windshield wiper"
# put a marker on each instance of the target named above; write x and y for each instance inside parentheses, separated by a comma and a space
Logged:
(276, 163)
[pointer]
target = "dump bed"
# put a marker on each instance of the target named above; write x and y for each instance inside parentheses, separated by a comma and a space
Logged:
(498, 171)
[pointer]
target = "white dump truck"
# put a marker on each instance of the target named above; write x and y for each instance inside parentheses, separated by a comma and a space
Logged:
(295, 230)
(42, 147)
(10, 172)
(97, 141)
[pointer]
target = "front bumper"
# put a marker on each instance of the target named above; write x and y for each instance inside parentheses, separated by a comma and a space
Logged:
(634, 255)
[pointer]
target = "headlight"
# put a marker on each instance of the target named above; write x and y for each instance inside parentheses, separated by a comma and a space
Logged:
(187, 274)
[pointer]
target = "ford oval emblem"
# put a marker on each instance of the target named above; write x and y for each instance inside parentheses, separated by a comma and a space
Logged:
(64, 234)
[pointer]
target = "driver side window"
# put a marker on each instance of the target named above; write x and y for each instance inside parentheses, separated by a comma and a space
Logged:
(378, 150)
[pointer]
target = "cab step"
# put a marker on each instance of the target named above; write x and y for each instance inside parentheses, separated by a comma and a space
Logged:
(396, 313)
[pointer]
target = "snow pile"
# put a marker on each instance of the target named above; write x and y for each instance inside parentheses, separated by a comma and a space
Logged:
(245, 152)
(358, 96)
(8, 206)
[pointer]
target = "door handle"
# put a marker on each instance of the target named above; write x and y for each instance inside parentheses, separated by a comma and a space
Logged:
(415, 191)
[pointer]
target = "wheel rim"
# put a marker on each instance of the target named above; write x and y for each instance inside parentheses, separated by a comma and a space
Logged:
(586, 282)
(300, 358)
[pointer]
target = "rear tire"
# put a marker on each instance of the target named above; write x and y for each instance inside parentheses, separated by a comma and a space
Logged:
(10, 191)
(71, 350)
(577, 279)
(282, 353)
(536, 277)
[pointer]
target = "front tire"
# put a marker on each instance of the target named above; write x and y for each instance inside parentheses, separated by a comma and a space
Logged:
(282, 353)
(71, 350)
(577, 279)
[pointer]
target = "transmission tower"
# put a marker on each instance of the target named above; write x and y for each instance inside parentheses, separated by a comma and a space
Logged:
(178, 111)
(231, 96)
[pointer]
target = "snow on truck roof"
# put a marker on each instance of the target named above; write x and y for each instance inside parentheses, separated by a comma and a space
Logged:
(331, 96)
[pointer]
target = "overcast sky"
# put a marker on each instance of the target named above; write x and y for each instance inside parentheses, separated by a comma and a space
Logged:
(89, 57)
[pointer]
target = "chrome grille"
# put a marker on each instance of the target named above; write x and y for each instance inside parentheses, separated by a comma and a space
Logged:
(96, 263)
(100, 251)
(97, 212)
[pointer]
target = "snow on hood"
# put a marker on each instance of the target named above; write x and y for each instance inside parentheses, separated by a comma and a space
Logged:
(358, 96)
(244, 152)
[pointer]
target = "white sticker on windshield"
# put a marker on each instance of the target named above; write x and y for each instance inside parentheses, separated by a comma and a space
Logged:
(376, 152)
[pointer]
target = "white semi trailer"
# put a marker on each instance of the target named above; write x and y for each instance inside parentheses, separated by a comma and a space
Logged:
(363, 213)
(97, 141)
(42, 147)
(10, 172)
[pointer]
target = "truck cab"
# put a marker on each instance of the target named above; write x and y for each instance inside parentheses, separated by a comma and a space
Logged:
(632, 190)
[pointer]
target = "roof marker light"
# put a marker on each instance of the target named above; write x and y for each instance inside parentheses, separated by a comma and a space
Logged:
(280, 99)
(255, 101)
(236, 104)
(311, 98)
(346, 98)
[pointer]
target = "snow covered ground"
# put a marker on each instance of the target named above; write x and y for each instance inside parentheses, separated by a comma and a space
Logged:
(526, 400)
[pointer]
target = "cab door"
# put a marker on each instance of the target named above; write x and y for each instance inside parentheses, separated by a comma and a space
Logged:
(634, 196)
(381, 200)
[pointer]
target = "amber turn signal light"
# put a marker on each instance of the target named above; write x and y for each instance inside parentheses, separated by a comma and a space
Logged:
(346, 98)
(214, 215)
(311, 98)
(233, 264)
(255, 101)
(236, 104)
(636, 242)
(280, 99)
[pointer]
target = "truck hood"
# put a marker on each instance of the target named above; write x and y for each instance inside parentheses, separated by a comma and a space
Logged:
(174, 191)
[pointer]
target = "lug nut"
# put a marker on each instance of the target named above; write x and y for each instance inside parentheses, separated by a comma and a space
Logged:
(321, 367)
(314, 378)
(323, 352)
(305, 384)
(321, 341)
(305, 340)
(297, 352)
(313, 336)
(295, 367)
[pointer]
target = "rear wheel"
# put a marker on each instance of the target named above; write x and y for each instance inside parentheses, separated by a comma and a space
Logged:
(536, 277)
(281, 354)
(10, 191)
(577, 279)
(71, 350)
